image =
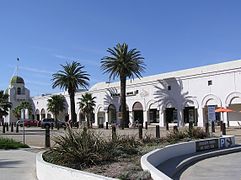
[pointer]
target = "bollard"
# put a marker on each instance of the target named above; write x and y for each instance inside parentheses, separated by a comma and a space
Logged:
(223, 128)
(47, 137)
(113, 132)
(106, 125)
(167, 126)
(207, 128)
(58, 126)
(11, 127)
(140, 131)
(4, 128)
(17, 126)
(146, 125)
(52, 126)
(7, 126)
(175, 129)
(157, 131)
(190, 126)
(213, 126)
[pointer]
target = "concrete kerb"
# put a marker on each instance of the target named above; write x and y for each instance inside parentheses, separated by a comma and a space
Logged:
(48, 171)
(151, 160)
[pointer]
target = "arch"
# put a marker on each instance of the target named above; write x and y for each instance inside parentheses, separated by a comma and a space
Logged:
(37, 111)
(137, 106)
(153, 103)
(211, 97)
(191, 102)
(99, 108)
(43, 114)
(231, 97)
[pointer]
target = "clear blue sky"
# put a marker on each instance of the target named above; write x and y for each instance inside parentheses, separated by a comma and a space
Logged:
(171, 35)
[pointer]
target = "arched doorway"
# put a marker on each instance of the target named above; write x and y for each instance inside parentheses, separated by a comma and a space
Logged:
(190, 113)
(112, 114)
(233, 102)
(37, 114)
(153, 112)
(170, 113)
(42, 114)
(48, 115)
(137, 110)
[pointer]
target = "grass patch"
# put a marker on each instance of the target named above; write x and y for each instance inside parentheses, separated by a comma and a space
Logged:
(6, 143)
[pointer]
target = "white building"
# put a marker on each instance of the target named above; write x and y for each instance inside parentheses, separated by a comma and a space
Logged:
(178, 97)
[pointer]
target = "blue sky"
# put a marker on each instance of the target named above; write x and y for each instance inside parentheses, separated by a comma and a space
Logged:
(171, 35)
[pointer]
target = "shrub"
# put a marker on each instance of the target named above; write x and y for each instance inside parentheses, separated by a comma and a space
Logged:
(197, 133)
(6, 143)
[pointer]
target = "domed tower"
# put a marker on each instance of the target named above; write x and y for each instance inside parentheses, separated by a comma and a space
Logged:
(17, 94)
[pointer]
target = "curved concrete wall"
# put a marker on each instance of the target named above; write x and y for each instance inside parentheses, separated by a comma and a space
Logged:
(48, 171)
(154, 158)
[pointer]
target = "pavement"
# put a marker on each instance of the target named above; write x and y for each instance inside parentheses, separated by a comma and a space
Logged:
(216, 168)
(18, 164)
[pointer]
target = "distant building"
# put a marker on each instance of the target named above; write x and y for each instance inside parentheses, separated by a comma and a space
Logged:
(177, 97)
(17, 94)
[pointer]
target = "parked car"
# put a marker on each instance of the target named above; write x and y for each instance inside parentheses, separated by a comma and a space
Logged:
(27, 122)
(51, 122)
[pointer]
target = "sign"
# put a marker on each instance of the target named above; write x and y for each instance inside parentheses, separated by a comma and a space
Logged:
(211, 113)
(206, 145)
(226, 142)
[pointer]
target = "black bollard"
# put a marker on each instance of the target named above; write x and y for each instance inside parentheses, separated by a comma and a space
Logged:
(213, 126)
(113, 132)
(52, 126)
(157, 131)
(11, 127)
(146, 125)
(17, 130)
(106, 125)
(7, 126)
(58, 126)
(175, 129)
(4, 125)
(140, 131)
(167, 126)
(221, 126)
(224, 129)
(47, 137)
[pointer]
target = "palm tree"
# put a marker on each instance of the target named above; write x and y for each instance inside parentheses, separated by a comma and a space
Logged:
(86, 105)
(23, 105)
(70, 79)
(123, 63)
(56, 105)
(5, 105)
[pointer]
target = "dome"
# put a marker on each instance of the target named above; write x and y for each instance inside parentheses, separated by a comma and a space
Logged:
(17, 79)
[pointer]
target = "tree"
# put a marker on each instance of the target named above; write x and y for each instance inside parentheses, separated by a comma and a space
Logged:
(5, 105)
(23, 105)
(86, 105)
(70, 79)
(56, 105)
(123, 63)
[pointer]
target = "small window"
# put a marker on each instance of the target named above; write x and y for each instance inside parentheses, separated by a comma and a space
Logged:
(169, 88)
(210, 82)
(19, 91)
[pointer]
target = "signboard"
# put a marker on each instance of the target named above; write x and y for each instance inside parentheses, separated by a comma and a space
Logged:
(226, 142)
(211, 113)
(206, 145)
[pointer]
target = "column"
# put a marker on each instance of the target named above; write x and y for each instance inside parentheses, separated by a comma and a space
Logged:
(180, 117)
(145, 118)
(161, 118)
(200, 117)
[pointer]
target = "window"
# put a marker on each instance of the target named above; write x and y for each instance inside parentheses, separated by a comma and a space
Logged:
(169, 88)
(18, 90)
(210, 82)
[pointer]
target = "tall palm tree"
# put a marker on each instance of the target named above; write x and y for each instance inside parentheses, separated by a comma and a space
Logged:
(87, 104)
(123, 63)
(5, 105)
(56, 105)
(70, 79)
(23, 105)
